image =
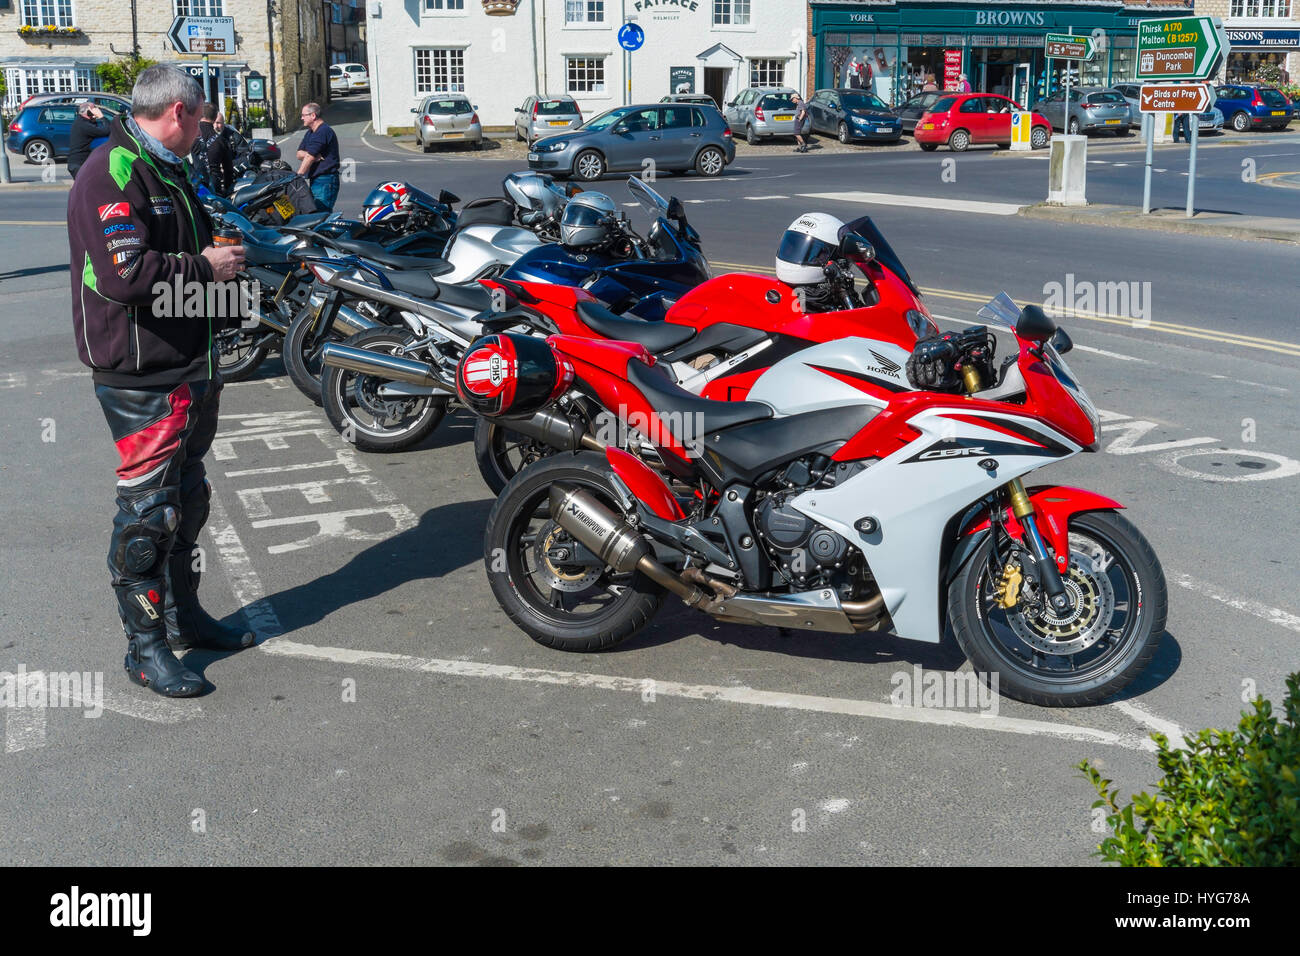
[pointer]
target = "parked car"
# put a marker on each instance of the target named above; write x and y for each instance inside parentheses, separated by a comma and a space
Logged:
(447, 118)
(358, 76)
(854, 114)
(340, 85)
(1252, 106)
(1092, 109)
(701, 99)
(106, 101)
(677, 136)
(963, 119)
(546, 115)
(41, 133)
(1211, 121)
(910, 112)
(762, 112)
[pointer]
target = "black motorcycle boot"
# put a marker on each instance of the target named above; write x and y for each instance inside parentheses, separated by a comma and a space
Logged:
(149, 661)
(188, 625)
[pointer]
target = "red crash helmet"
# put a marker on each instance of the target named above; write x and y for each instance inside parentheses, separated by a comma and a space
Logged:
(508, 374)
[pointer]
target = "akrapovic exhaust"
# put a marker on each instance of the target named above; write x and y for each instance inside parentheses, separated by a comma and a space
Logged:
(553, 430)
(606, 535)
(382, 365)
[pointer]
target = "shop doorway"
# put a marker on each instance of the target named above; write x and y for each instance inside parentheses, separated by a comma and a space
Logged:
(716, 81)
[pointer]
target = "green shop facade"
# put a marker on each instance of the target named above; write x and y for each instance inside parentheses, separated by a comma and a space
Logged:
(891, 48)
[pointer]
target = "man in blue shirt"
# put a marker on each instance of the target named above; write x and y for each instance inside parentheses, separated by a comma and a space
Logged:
(318, 157)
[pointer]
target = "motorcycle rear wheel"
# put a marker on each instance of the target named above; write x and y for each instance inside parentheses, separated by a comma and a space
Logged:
(240, 352)
(1088, 657)
(501, 453)
(302, 365)
(366, 418)
(564, 606)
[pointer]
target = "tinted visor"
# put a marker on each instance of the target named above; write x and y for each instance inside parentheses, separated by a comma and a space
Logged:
(805, 250)
(579, 215)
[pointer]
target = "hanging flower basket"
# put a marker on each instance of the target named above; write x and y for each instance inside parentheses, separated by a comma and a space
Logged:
(44, 33)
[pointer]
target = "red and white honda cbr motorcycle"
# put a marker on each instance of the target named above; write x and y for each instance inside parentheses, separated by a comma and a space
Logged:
(861, 487)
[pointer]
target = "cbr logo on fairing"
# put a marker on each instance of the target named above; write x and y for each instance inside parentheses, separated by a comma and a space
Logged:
(950, 452)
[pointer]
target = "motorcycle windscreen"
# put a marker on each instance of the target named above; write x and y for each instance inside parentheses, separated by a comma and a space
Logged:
(885, 253)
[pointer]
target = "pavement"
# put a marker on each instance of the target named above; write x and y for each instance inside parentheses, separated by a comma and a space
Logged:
(1203, 222)
(392, 714)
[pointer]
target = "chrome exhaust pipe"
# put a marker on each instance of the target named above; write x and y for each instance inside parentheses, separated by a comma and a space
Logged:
(271, 320)
(607, 536)
(554, 430)
(382, 365)
(348, 322)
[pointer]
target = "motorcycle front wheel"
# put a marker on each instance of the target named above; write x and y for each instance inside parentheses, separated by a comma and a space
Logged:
(300, 360)
(536, 573)
(240, 352)
(1118, 603)
(363, 414)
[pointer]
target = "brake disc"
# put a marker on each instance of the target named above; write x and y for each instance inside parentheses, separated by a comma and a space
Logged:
(1092, 605)
(561, 577)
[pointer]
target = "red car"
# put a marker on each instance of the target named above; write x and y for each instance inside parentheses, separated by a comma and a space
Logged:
(963, 119)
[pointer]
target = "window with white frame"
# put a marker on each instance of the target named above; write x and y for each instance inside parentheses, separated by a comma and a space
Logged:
(439, 71)
(767, 72)
(731, 13)
(21, 83)
(585, 74)
(438, 5)
(47, 13)
(1280, 9)
(199, 8)
(584, 11)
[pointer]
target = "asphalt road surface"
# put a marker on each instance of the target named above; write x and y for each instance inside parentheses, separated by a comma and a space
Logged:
(394, 714)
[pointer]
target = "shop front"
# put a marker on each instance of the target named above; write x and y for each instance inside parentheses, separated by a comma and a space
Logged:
(1262, 51)
(895, 48)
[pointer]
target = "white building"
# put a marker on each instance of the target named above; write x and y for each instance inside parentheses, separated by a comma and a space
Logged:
(501, 51)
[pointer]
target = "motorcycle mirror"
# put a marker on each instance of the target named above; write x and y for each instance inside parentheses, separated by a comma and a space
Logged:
(1061, 342)
(572, 189)
(675, 210)
(1034, 324)
(856, 248)
(447, 197)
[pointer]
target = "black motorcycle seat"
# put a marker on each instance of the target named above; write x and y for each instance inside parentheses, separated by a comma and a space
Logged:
(267, 254)
(254, 194)
(655, 336)
(374, 252)
(666, 396)
(422, 285)
(486, 212)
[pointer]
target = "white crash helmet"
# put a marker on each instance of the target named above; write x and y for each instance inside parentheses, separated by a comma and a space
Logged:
(587, 221)
(810, 242)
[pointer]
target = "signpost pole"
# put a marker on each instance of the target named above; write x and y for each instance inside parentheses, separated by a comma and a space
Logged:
(207, 81)
(1149, 128)
(1194, 121)
(1065, 117)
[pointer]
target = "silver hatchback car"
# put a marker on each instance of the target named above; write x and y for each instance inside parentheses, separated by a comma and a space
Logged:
(1092, 109)
(447, 118)
(545, 115)
(761, 112)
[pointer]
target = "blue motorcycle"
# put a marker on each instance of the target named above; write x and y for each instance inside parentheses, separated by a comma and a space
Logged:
(632, 275)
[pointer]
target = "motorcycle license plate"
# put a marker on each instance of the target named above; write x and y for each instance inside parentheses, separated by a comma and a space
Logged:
(557, 123)
(784, 117)
(533, 157)
(1112, 122)
(284, 208)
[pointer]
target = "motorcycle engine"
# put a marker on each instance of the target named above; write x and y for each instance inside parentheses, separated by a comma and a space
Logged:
(801, 548)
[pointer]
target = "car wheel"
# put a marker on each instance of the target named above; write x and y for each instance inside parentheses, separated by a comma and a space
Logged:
(1038, 137)
(750, 136)
(959, 140)
(928, 147)
(1073, 127)
(844, 133)
(1123, 131)
(518, 138)
(588, 166)
(427, 147)
(1241, 121)
(710, 162)
(38, 151)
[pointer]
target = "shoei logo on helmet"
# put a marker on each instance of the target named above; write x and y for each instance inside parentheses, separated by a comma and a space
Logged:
(114, 210)
(808, 223)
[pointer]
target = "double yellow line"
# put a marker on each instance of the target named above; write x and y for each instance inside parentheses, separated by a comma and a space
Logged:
(1168, 328)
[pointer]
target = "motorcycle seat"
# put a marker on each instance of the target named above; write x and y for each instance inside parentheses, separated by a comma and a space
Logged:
(374, 252)
(424, 286)
(666, 396)
(486, 212)
(655, 336)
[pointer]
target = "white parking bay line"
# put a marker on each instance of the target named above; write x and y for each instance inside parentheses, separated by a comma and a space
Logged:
(1157, 723)
(761, 198)
(922, 202)
(710, 692)
(1271, 614)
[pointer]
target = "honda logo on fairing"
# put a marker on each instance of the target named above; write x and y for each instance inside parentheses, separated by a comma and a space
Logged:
(951, 452)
